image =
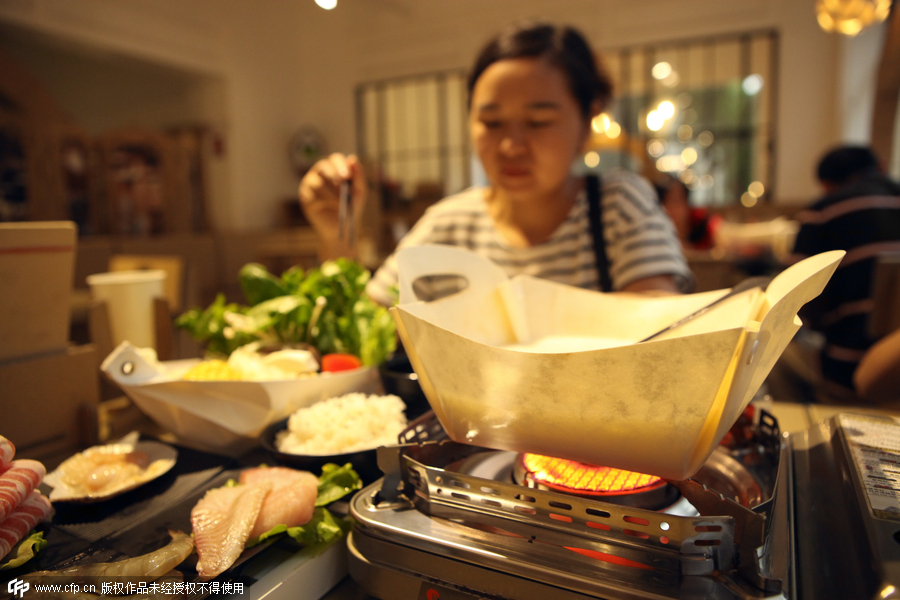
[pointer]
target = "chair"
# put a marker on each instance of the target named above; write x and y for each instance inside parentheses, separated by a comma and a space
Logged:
(885, 316)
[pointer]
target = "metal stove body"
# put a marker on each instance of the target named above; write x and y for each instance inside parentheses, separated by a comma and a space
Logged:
(430, 529)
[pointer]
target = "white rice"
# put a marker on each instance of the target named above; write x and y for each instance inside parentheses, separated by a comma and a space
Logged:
(343, 424)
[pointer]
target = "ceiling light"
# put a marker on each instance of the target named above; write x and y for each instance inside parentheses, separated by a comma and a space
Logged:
(666, 109)
(752, 84)
(661, 70)
(327, 4)
(600, 123)
(756, 189)
(670, 163)
(689, 156)
(851, 16)
(655, 120)
(655, 148)
(672, 80)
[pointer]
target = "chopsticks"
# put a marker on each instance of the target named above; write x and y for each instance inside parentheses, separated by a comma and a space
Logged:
(747, 284)
(346, 225)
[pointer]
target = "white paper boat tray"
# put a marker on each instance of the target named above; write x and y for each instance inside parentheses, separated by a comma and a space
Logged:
(226, 417)
(578, 385)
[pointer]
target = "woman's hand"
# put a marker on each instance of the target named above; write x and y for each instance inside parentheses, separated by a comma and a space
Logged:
(319, 195)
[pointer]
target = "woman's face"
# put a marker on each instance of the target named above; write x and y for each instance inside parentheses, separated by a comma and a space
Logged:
(526, 126)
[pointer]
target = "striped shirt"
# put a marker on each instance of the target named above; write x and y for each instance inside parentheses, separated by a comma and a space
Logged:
(862, 218)
(640, 239)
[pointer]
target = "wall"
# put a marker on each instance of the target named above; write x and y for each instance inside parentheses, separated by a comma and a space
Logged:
(858, 77)
(287, 64)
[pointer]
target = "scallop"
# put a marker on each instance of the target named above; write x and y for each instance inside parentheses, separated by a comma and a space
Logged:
(103, 471)
(97, 472)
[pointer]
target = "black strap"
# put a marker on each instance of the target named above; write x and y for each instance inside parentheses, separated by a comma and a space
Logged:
(594, 197)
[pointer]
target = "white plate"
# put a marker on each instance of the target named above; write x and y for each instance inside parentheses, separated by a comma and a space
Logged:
(160, 459)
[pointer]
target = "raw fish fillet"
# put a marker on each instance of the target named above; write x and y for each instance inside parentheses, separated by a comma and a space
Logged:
(22, 520)
(222, 522)
(7, 451)
(16, 482)
(291, 501)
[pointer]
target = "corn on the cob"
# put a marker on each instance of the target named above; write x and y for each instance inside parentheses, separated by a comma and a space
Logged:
(213, 370)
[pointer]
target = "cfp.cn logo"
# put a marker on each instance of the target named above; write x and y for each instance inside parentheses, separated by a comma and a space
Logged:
(17, 587)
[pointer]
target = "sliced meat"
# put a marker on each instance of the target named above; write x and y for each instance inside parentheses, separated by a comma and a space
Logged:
(291, 501)
(7, 451)
(16, 482)
(27, 514)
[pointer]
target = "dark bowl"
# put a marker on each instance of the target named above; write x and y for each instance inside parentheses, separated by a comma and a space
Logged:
(399, 378)
(365, 462)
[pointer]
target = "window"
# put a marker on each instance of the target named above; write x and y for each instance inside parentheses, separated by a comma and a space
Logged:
(700, 110)
(414, 131)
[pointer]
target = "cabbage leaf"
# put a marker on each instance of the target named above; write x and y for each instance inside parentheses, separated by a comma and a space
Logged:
(24, 551)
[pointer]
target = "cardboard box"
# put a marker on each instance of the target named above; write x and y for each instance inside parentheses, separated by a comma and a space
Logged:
(49, 404)
(37, 262)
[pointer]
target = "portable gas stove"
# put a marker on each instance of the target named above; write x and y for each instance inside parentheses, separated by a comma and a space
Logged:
(767, 518)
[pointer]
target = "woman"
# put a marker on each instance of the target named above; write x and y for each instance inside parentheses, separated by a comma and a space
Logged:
(532, 94)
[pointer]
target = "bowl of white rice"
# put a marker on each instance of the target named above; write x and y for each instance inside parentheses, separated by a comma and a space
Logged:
(339, 430)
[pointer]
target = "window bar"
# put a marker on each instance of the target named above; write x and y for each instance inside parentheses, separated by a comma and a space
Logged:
(421, 130)
(466, 149)
(361, 149)
(381, 158)
(400, 112)
(745, 127)
(709, 108)
(443, 115)
(628, 117)
(774, 53)
(650, 88)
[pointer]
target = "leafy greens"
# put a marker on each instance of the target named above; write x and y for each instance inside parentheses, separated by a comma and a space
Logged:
(325, 307)
(23, 551)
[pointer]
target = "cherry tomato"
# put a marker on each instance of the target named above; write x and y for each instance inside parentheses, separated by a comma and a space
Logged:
(340, 362)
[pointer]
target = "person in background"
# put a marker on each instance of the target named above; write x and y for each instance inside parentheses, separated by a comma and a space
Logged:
(533, 91)
(695, 226)
(859, 213)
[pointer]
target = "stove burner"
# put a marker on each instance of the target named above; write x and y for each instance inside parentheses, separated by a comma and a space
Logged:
(456, 517)
(590, 481)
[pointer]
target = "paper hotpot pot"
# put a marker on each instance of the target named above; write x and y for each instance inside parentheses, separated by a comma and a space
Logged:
(530, 365)
(226, 417)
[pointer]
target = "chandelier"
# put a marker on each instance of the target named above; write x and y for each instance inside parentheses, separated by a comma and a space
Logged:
(851, 16)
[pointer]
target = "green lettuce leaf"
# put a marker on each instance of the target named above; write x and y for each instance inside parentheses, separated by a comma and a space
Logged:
(258, 284)
(322, 529)
(24, 551)
(336, 482)
(210, 326)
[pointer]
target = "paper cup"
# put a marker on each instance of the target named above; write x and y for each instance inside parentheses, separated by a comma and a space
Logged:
(129, 299)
